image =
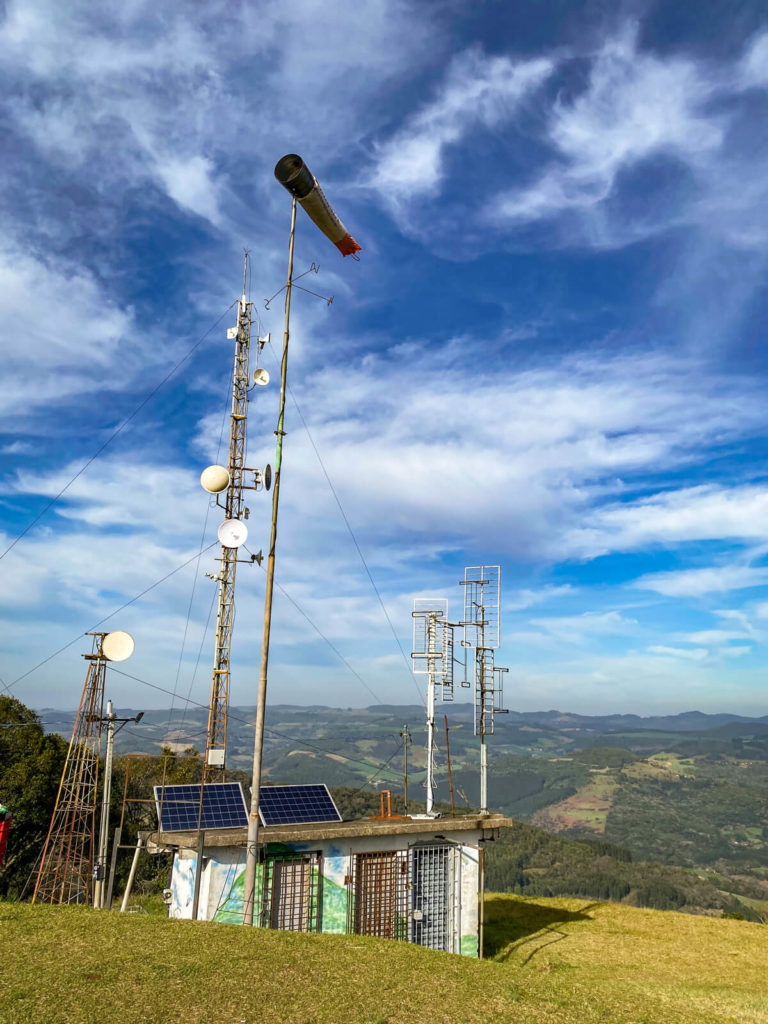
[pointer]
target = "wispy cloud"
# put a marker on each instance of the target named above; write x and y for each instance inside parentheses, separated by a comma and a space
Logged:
(706, 512)
(690, 654)
(635, 105)
(697, 582)
(479, 91)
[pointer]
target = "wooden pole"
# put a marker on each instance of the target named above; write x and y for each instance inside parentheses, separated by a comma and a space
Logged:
(251, 850)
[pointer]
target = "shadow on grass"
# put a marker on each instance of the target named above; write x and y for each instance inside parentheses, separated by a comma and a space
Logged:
(513, 925)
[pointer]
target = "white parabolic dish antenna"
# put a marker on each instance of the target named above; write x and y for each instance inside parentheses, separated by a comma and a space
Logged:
(215, 479)
(232, 533)
(117, 646)
(260, 377)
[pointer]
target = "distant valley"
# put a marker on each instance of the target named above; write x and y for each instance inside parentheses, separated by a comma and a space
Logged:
(686, 792)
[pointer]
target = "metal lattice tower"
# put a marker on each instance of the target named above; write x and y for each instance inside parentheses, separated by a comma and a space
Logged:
(65, 874)
(216, 736)
(482, 584)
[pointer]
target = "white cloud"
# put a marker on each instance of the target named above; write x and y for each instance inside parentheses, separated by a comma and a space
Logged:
(754, 65)
(635, 105)
(735, 652)
(691, 654)
(697, 582)
(478, 90)
(543, 595)
(707, 512)
(579, 628)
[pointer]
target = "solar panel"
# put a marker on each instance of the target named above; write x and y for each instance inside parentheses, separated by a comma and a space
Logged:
(292, 805)
(178, 807)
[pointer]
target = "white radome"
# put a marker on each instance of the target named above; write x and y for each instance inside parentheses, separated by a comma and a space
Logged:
(215, 479)
(117, 646)
(232, 533)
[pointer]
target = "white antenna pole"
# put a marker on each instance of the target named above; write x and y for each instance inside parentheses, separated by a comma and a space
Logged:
(431, 629)
(101, 861)
(480, 663)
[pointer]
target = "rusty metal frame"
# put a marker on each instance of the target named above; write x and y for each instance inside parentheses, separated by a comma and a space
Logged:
(291, 891)
(378, 886)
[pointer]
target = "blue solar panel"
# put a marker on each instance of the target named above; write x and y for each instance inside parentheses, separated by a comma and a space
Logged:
(178, 807)
(292, 805)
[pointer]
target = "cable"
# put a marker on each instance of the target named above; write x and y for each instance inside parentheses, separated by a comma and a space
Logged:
(236, 718)
(379, 770)
(354, 538)
(330, 643)
(199, 656)
(106, 617)
(114, 434)
(194, 584)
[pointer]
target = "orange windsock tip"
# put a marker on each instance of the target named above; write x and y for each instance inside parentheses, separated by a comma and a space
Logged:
(347, 246)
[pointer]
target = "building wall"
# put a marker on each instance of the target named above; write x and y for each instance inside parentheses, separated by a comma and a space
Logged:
(223, 879)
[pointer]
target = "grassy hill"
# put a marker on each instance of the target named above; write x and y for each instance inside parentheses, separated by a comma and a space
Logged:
(554, 962)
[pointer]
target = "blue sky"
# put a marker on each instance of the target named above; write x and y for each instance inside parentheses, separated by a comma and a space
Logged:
(549, 357)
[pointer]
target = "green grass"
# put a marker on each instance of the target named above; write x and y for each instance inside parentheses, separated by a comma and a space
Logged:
(554, 961)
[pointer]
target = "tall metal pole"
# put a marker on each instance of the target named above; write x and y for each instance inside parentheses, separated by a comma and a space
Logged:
(101, 860)
(448, 759)
(431, 653)
(251, 853)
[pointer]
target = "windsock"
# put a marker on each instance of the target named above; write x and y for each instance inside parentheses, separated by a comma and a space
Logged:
(293, 173)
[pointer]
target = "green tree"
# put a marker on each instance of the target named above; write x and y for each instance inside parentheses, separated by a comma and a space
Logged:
(31, 764)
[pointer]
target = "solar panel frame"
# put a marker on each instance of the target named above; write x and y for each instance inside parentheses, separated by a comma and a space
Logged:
(223, 806)
(297, 805)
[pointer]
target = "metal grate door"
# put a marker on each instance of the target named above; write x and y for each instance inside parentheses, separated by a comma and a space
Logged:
(432, 912)
(290, 894)
(379, 890)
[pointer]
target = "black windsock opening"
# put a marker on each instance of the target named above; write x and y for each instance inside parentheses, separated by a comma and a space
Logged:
(293, 174)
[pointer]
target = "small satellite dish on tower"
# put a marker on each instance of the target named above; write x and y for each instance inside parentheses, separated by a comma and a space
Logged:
(261, 377)
(214, 479)
(117, 646)
(232, 533)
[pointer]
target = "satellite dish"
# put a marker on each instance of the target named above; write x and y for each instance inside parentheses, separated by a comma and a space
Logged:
(260, 377)
(117, 646)
(267, 476)
(215, 479)
(232, 533)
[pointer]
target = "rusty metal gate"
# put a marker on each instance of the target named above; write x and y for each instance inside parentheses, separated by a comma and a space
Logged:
(378, 894)
(434, 881)
(290, 892)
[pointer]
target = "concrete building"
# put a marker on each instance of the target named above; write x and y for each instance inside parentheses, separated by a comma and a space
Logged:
(410, 879)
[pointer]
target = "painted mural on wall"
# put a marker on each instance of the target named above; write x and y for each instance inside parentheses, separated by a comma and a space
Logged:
(223, 886)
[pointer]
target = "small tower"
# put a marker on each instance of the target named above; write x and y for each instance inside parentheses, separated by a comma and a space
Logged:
(65, 874)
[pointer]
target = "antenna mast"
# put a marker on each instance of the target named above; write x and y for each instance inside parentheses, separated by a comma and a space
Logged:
(432, 656)
(481, 631)
(232, 532)
(65, 874)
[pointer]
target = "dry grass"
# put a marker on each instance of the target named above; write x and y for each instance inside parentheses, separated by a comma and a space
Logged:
(556, 962)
